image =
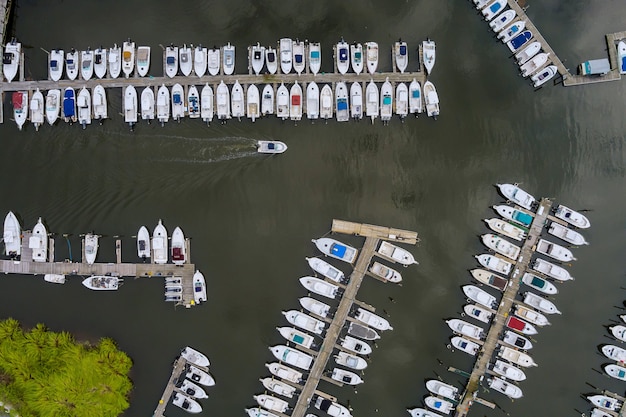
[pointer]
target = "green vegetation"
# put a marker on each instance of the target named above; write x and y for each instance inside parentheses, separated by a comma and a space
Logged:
(48, 374)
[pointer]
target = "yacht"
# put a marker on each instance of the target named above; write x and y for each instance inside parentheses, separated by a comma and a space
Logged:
(278, 387)
(464, 328)
(494, 263)
(386, 101)
(543, 76)
(284, 372)
(191, 389)
(193, 102)
(493, 8)
(516, 357)
(428, 50)
(299, 61)
(401, 55)
(315, 57)
(502, 20)
(228, 60)
(326, 102)
(186, 403)
(171, 61)
(336, 249)
(71, 64)
(325, 269)
(292, 356)
(179, 251)
(143, 243)
(237, 102)
(295, 102)
(102, 283)
(442, 389)
(199, 376)
(415, 97)
(185, 62)
(356, 57)
(296, 336)
(314, 306)
(356, 101)
(501, 246)
(346, 377)
(253, 105)
(566, 234)
(465, 345)
(540, 284)
(350, 361)
(115, 61)
(516, 340)
(371, 101)
(257, 58)
(11, 59)
(506, 228)
(282, 102)
(12, 236)
(195, 357)
(213, 61)
(223, 101)
(55, 63)
(540, 303)
(19, 100)
(69, 105)
(510, 390)
(267, 100)
(477, 312)
(342, 110)
(304, 321)
(431, 99)
(551, 270)
(320, 286)
(331, 408)
(270, 60)
(518, 196)
(528, 52)
(371, 56)
(402, 100)
(343, 57)
(355, 345)
(439, 404)
(554, 251)
(100, 62)
(384, 272)
(530, 315)
(533, 65)
(286, 55)
(178, 102)
(394, 253)
(490, 279)
(372, 320)
(572, 217)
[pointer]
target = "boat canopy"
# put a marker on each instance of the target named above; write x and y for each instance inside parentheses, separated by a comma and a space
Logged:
(402, 49)
(98, 59)
(295, 100)
(257, 55)
(342, 104)
(17, 99)
(271, 56)
(68, 107)
(415, 93)
(177, 254)
(338, 250)
(343, 54)
(315, 54)
(170, 60)
(357, 56)
(298, 58)
(523, 218)
(387, 99)
(127, 55)
(271, 146)
(54, 64)
(7, 58)
(176, 98)
(184, 57)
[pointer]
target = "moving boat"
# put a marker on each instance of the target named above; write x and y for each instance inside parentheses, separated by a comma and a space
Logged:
(402, 100)
(147, 104)
(428, 50)
(199, 376)
(11, 59)
(477, 312)
(372, 320)
(508, 371)
(394, 253)
(544, 75)
(355, 345)
(516, 357)
(130, 105)
(185, 62)
(12, 236)
(20, 107)
(86, 64)
(267, 100)
(619, 332)
(99, 103)
(531, 315)
(319, 286)
(350, 361)
(371, 103)
(178, 102)
(270, 60)
(271, 403)
(159, 244)
(186, 403)
(195, 357)
(572, 217)
(371, 56)
(551, 270)
(605, 402)
(555, 251)
(489, 278)
(296, 336)
(615, 353)
(420, 412)
(282, 102)
(71, 64)
(341, 99)
(54, 278)
(315, 57)
(299, 62)
(520, 40)
(518, 196)
(465, 345)
(616, 371)
(482, 297)
(200, 60)
(237, 108)
(223, 101)
(539, 283)
(292, 356)
(415, 97)
(171, 61)
(510, 390)
(326, 102)
(442, 389)
(37, 109)
(55, 64)
(53, 106)
(528, 52)
(401, 55)
(336, 249)
(257, 58)
(199, 288)
(325, 269)
(163, 105)
(91, 248)
(115, 61)
(506, 228)
(38, 242)
(315, 306)
(128, 58)
(295, 102)
(312, 101)
(213, 60)
(304, 321)
(431, 99)
(516, 340)
(143, 60)
(284, 372)
(501, 246)
(494, 263)
(566, 234)
(179, 252)
(84, 107)
(511, 31)
(343, 58)
(271, 146)
(356, 101)
(286, 55)
(102, 282)
(69, 105)
(503, 19)
(465, 329)
(439, 404)
(331, 408)
(191, 389)
(385, 273)
(520, 325)
(493, 9)
(346, 377)
(362, 332)
(519, 217)
(143, 243)
(278, 387)
(193, 102)
(534, 64)
(356, 57)
(386, 101)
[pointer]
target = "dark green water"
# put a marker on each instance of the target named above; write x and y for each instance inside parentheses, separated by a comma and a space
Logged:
(251, 218)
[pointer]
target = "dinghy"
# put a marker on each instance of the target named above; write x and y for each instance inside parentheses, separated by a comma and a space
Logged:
(465, 345)
(314, 306)
(544, 76)
(278, 387)
(179, 251)
(346, 377)
(402, 100)
(312, 101)
(510, 390)
(350, 361)
(315, 57)
(439, 404)
(292, 356)
(185, 62)
(237, 102)
(83, 104)
(282, 102)
(178, 102)
(299, 61)
(428, 50)
(442, 389)
(503, 19)
(271, 403)
(371, 104)
(355, 345)
(55, 63)
(516, 340)
(520, 325)
(147, 104)
(479, 296)
(331, 408)
(566, 234)
(325, 269)
(572, 217)
(508, 371)
(386, 101)
(91, 248)
(489, 278)
(186, 403)
(477, 312)
(342, 111)
(213, 60)
(371, 56)
(54, 278)
(37, 109)
(394, 253)
(385, 273)
(401, 55)
(615, 353)
(115, 61)
(539, 283)
(271, 146)
(464, 328)
(284, 372)
(99, 103)
(199, 288)
(356, 57)
(356, 101)
(319, 286)
(143, 60)
(270, 60)
(516, 357)
(130, 106)
(506, 228)
(38, 242)
(195, 357)
(431, 100)
(342, 53)
(143, 243)
(199, 376)
(53, 106)
(528, 52)
(493, 9)
(11, 59)
(102, 283)
(501, 246)
(253, 105)
(534, 64)
(296, 336)
(372, 320)
(286, 55)
(531, 315)
(304, 321)
(295, 102)
(171, 61)
(551, 270)
(71, 64)
(193, 102)
(19, 99)
(362, 332)
(163, 105)
(267, 100)
(223, 101)
(159, 244)
(326, 102)
(191, 389)
(200, 60)
(12, 236)
(415, 97)
(128, 58)
(69, 105)
(494, 263)
(257, 58)
(518, 196)
(336, 249)
(605, 402)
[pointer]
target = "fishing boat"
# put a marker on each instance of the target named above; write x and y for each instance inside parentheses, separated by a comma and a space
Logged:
(355, 345)
(596, 412)
(342, 52)
(372, 320)
(619, 331)
(99, 103)
(128, 58)
(296, 336)
(191, 389)
(99, 62)
(200, 60)
(11, 59)
(312, 101)
(605, 402)
(195, 357)
(528, 52)
(270, 60)
(315, 57)
(163, 104)
(69, 105)
(71, 64)
(386, 101)
(464, 328)
(186, 403)
(299, 61)
(429, 52)
(159, 244)
(86, 64)
(616, 371)
(520, 40)
(385, 273)
(371, 104)
(295, 102)
(415, 97)
(259, 412)
(304, 321)
(19, 99)
(315, 306)
(237, 102)
(267, 100)
(147, 104)
(506, 228)
(336, 249)
(551, 270)
(511, 31)
(477, 312)
(102, 283)
(356, 101)
(516, 340)
(494, 263)
(331, 408)
(171, 61)
(286, 55)
(213, 60)
(223, 101)
(431, 99)
(253, 104)
(326, 102)
(501, 246)
(178, 102)
(442, 389)
(271, 403)
(494, 8)
(257, 58)
(401, 55)
(402, 100)
(516, 216)
(199, 376)
(37, 109)
(130, 105)
(566, 234)
(531, 315)
(540, 303)
(179, 252)
(362, 332)
(465, 345)
(356, 57)
(271, 146)
(115, 61)
(83, 104)
(534, 64)
(554, 251)
(54, 278)
(143, 60)
(615, 353)
(199, 288)
(350, 361)
(508, 371)
(420, 412)
(439, 404)
(193, 102)
(319, 286)
(185, 61)
(342, 111)
(371, 56)
(12, 236)
(282, 102)
(55, 64)
(520, 325)
(38, 242)
(143, 243)
(91, 248)
(510, 390)
(394, 253)
(518, 196)
(284, 372)
(516, 357)
(325, 269)
(479, 296)
(278, 387)
(544, 76)
(292, 356)
(502, 20)
(206, 104)
(346, 377)
(572, 217)
(539, 283)
(53, 106)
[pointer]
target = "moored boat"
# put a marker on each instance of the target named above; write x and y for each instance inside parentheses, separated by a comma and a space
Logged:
(12, 236)
(566, 234)
(71, 64)
(315, 57)
(178, 102)
(539, 283)
(429, 52)
(257, 58)
(200, 60)
(282, 102)
(619, 331)
(605, 402)
(278, 387)
(402, 100)
(159, 244)
(292, 356)
(271, 146)
(371, 101)
(386, 101)
(517, 216)
(128, 57)
(596, 412)
(551, 270)
(299, 60)
(199, 376)
(511, 31)
(385, 273)
(342, 53)
(83, 104)
(516, 340)
(506, 228)
(355, 345)
(91, 247)
(295, 102)
(115, 61)
(516, 357)
(213, 60)
(415, 97)
(350, 361)
(86, 64)
(572, 217)
(19, 99)
(37, 109)
(186, 403)
(616, 371)
(371, 56)
(130, 105)
(331, 408)
(191, 389)
(193, 102)
(346, 377)
(147, 104)
(372, 320)
(315, 306)
(528, 52)
(502, 20)
(520, 325)
(270, 60)
(259, 412)
(442, 389)
(312, 101)
(510, 390)
(501, 246)
(223, 101)
(520, 40)
(342, 111)
(356, 57)
(480, 296)
(284, 372)
(326, 102)
(494, 263)
(102, 283)
(271, 403)
(465, 329)
(11, 59)
(493, 9)
(185, 61)
(54, 278)
(171, 61)
(543, 76)
(143, 243)
(439, 404)
(540, 303)
(99, 103)
(237, 107)
(420, 412)
(296, 336)
(465, 345)
(534, 64)
(401, 55)
(531, 315)
(319, 286)
(431, 99)
(336, 249)
(615, 353)
(53, 105)
(286, 55)
(621, 56)
(55, 63)
(195, 357)
(163, 105)
(199, 287)
(508, 371)
(477, 312)
(38, 242)
(304, 321)
(395, 253)
(362, 332)
(253, 102)
(325, 269)
(267, 100)
(518, 196)
(143, 60)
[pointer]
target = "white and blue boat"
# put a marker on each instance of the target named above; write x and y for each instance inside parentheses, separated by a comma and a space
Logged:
(621, 56)
(343, 57)
(520, 40)
(341, 104)
(502, 20)
(56, 58)
(544, 75)
(401, 55)
(315, 57)
(516, 195)
(519, 217)
(336, 249)
(511, 31)
(415, 97)
(493, 9)
(324, 268)
(69, 105)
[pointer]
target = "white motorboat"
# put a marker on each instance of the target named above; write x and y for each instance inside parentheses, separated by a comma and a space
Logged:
(566, 234)
(186, 403)
(616, 371)
(429, 52)
(179, 252)
(257, 58)
(501, 246)
(130, 105)
(292, 356)
(506, 228)
(442, 389)
(191, 389)
(415, 97)
(100, 62)
(71, 64)
(278, 387)
(401, 55)
(516, 216)
(420, 412)
(315, 306)
(86, 64)
(356, 101)
(69, 105)
(465, 329)
(12, 236)
(228, 59)
(597, 412)
(159, 244)
(213, 60)
(431, 100)
(102, 283)
(402, 100)
(516, 357)
(271, 403)
(619, 332)
(195, 357)
(199, 376)
(510, 390)
(372, 320)
(356, 57)
(342, 110)
(143, 243)
(286, 55)
(91, 248)
(163, 105)
(336, 249)
(516, 340)
(539, 283)
(518, 196)
(531, 315)
(555, 251)
(493, 9)
(178, 102)
(528, 52)
(355, 345)
(271, 146)
(38, 242)
(371, 56)
(326, 102)
(185, 61)
(502, 20)
(55, 64)
(572, 217)
(315, 57)
(385, 273)
(350, 361)
(199, 288)
(346, 377)
(267, 100)
(477, 312)
(319, 286)
(494, 263)
(312, 101)
(11, 59)
(223, 101)
(543, 76)
(395, 253)
(37, 109)
(253, 102)
(439, 404)
(143, 60)
(270, 60)
(465, 345)
(171, 61)
(296, 336)
(299, 60)
(522, 326)
(342, 54)
(362, 332)
(295, 102)
(193, 102)
(237, 105)
(99, 103)
(331, 408)
(508, 371)
(615, 353)
(490, 279)
(510, 31)
(200, 60)
(115, 61)
(54, 278)
(371, 103)
(284, 372)
(605, 402)
(621, 56)
(259, 412)
(206, 104)
(534, 64)
(304, 321)
(325, 269)
(128, 58)
(282, 102)
(386, 101)
(551, 270)
(53, 106)
(147, 104)
(19, 99)
(83, 103)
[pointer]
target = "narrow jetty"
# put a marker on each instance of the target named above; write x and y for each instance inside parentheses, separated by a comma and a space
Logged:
(177, 369)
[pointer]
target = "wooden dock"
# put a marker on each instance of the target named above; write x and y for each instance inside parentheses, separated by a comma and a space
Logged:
(485, 354)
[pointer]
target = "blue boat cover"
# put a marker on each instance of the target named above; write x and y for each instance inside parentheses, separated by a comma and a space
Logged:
(176, 98)
(271, 146)
(402, 49)
(315, 54)
(338, 250)
(342, 104)
(54, 64)
(387, 100)
(298, 58)
(415, 93)
(624, 63)
(523, 218)
(495, 7)
(538, 282)
(68, 107)
(68, 93)
(198, 287)
(170, 60)
(343, 54)
(438, 404)
(521, 39)
(298, 339)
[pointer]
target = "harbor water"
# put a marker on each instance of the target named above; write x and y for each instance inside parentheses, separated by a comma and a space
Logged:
(251, 217)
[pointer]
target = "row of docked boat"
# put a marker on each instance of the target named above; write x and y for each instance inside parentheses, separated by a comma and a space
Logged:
(188, 388)
(511, 30)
